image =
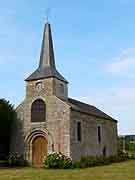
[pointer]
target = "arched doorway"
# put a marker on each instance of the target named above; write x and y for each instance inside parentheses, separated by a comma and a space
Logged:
(39, 150)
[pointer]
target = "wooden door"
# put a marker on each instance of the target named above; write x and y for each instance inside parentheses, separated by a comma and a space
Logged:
(39, 150)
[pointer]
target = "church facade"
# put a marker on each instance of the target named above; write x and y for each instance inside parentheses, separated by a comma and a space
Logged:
(49, 121)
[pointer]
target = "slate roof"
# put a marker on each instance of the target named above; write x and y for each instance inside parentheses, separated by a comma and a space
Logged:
(46, 72)
(88, 109)
(47, 66)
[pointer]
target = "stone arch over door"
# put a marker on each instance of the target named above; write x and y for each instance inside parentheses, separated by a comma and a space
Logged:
(32, 139)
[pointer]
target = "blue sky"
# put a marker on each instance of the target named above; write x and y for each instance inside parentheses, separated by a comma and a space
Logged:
(94, 45)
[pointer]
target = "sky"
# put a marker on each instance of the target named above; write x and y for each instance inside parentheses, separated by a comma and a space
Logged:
(94, 44)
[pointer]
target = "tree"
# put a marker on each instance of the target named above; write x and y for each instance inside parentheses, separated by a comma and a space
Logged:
(7, 116)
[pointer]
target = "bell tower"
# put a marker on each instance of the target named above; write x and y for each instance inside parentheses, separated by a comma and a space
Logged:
(46, 80)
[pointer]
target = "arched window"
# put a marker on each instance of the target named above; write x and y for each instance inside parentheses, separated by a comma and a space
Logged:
(99, 133)
(79, 131)
(38, 111)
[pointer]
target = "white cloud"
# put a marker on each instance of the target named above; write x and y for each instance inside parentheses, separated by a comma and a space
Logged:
(124, 65)
(121, 65)
(118, 103)
(117, 98)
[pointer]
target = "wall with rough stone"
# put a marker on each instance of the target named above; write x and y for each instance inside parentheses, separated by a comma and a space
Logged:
(89, 144)
(47, 88)
(50, 86)
(56, 125)
(60, 125)
(61, 92)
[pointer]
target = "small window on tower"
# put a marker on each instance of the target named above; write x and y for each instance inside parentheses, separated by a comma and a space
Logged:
(61, 88)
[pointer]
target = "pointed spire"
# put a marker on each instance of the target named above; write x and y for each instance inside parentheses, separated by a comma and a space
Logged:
(47, 53)
(47, 66)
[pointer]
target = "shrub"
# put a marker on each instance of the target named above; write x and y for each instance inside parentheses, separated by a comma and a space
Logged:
(122, 156)
(15, 160)
(60, 161)
(3, 163)
(88, 161)
(57, 161)
(91, 161)
(131, 156)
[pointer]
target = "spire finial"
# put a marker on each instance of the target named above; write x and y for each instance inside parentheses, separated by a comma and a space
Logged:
(48, 10)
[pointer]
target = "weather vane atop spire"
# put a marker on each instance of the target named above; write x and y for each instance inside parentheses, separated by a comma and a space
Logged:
(48, 10)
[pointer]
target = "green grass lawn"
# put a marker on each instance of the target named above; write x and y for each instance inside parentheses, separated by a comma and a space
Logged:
(117, 171)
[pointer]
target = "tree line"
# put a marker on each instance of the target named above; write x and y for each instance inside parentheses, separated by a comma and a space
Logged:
(7, 116)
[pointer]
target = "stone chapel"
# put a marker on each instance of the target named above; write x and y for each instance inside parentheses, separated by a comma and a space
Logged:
(49, 121)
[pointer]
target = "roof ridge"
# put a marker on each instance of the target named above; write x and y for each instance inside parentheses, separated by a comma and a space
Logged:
(82, 102)
(90, 109)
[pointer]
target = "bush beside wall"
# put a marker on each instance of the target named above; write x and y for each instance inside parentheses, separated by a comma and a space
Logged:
(57, 161)
(16, 160)
(91, 161)
(60, 161)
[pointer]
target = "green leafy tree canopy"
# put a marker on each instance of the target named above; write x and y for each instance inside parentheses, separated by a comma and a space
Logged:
(7, 115)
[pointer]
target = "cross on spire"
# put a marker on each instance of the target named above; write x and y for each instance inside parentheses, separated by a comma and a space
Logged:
(48, 14)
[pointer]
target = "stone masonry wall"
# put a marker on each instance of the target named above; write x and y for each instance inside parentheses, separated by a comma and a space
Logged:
(61, 92)
(50, 86)
(89, 144)
(57, 125)
(60, 126)
(47, 88)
